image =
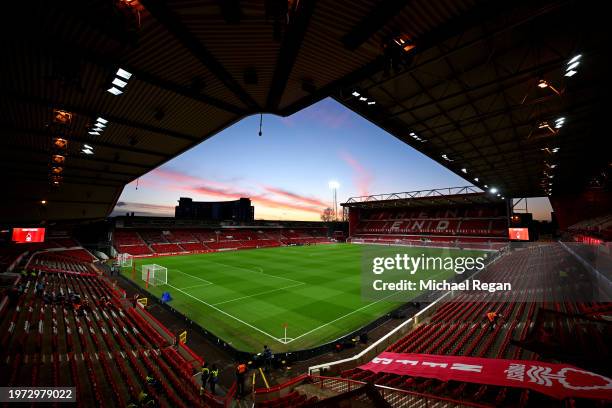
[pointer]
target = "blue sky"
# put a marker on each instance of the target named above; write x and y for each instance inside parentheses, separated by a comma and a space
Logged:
(287, 170)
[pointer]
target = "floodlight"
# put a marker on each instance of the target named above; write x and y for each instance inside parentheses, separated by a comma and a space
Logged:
(571, 73)
(576, 58)
(114, 91)
(119, 83)
(123, 73)
(493, 190)
(102, 120)
(572, 66)
(355, 93)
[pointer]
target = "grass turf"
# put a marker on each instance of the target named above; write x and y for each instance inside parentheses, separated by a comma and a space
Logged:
(245, 297)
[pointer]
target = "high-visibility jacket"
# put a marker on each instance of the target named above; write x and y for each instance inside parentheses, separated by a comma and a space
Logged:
(241, 369)
(491, 316)
(214, 375)
(205, 373)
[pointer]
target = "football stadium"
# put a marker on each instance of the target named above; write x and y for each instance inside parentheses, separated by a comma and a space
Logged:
(311, 203)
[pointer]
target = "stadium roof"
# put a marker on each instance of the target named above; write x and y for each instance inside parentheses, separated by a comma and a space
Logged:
(467, 195)
(467, 84)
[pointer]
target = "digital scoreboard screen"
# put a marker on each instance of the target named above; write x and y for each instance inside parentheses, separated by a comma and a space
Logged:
(28, 235)
(518, 234)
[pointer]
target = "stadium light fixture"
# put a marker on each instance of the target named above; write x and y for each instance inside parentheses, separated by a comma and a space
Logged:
(464, 170)
(499, 195)
(355, 93)
(476, 179)
(445, 157)
(418, 138)
(102, 120)
(119, 83)
(543, 84)
(94, 133)
(363, 98)
(114, 91)
(371, 103)
(559, 122)
(493, 190)
(123, 73)
(43, 202)
(572, 64)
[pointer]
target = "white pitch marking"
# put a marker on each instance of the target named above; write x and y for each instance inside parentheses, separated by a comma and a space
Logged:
(227, 314)
(341, 317)
(197, 286)
(257, 294)
(252, 271)
(350, 313)
(192, 276)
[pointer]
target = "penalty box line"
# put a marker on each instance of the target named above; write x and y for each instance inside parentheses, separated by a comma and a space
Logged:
(258, 294)
(192, 276)
(227, 314)
(350, 313)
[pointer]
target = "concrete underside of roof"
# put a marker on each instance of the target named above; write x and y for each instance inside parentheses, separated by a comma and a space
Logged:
(468, 88)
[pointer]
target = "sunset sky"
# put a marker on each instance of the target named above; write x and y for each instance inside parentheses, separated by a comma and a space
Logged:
(286, 171)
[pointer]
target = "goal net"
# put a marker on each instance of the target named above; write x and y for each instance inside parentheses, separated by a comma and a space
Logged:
(155, 275)
(125, 260)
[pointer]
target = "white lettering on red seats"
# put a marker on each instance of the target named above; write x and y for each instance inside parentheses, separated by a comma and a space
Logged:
(442, 225)
(430, 364)
(407, 362)
(467, 367)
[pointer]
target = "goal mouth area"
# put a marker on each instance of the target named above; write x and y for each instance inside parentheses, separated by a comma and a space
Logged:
(125, 260)
(154, 275)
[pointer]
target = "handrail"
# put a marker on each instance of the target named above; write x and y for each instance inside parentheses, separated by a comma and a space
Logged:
(279, 387)
(385, 388)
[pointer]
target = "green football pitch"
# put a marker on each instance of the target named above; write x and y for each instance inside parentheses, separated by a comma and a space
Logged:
(246, 297)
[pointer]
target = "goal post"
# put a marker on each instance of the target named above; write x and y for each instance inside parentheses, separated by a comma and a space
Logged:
(154, 274)
(125, 260)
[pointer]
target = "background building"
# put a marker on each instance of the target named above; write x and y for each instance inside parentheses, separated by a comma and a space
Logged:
(238, 210)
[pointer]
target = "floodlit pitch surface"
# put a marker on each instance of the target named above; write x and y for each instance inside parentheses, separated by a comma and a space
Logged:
(245, 297)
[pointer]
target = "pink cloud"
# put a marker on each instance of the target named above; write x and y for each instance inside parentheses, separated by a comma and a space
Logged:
(361, 176)
(197, 185)
(295, 196)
